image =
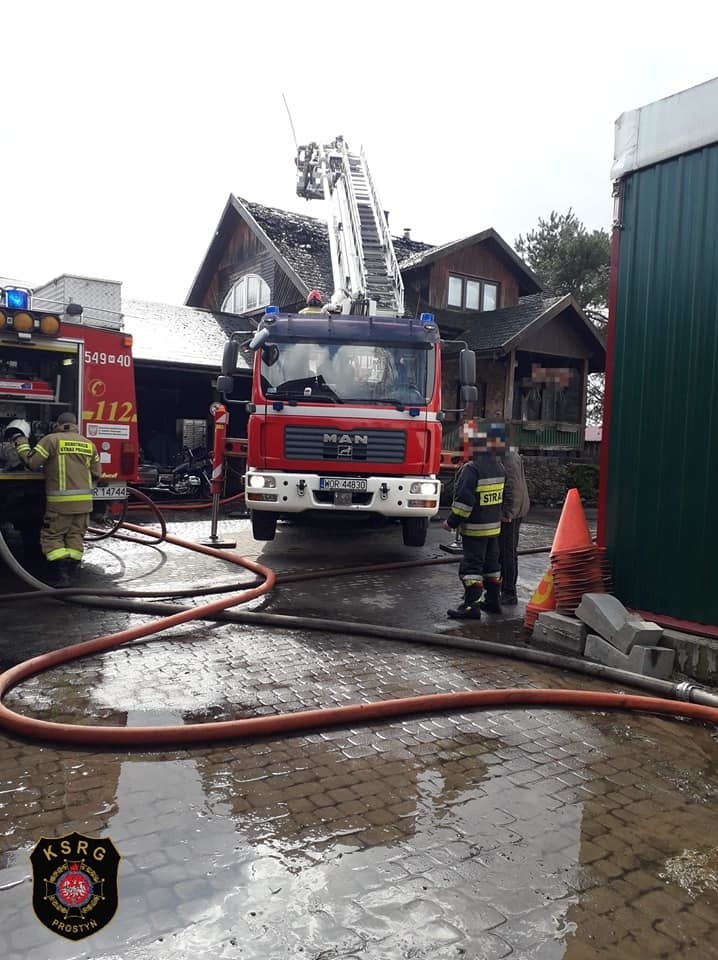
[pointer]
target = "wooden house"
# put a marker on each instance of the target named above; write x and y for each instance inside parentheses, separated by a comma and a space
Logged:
(534, 351)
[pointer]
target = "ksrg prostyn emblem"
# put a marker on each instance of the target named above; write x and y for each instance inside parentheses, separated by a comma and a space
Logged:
(74, 884)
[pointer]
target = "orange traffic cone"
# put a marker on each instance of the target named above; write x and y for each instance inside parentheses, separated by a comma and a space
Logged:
(542, 599)
(572, 532)
(575, 560)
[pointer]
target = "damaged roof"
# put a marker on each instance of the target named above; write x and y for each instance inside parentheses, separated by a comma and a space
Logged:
(499, 331)
(181, 336)
(299, 243)
(304, 243)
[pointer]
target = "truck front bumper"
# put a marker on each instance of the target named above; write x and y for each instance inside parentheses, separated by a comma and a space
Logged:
(297, 492)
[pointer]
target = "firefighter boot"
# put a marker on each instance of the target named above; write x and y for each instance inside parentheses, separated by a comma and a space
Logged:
(58, 574)
(470, 607)
(73, 568)
(491, 601)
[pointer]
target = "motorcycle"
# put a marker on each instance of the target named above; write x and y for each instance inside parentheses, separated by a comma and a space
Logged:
(188, 480)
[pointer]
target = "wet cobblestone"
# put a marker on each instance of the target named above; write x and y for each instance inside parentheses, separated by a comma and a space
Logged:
(531, 833)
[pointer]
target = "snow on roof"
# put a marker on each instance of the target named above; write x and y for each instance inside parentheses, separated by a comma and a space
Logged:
(178, 335)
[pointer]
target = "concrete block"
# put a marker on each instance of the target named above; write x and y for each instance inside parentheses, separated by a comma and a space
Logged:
(637, 632)
(610, 619)
(560, 640)
(654, 662)
(697, 657)
(602, 613)
(562, 624)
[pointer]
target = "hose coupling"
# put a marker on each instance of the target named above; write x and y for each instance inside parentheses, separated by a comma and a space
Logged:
(684, 690)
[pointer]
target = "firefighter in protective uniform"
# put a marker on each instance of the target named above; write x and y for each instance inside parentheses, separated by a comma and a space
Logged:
(10, 459)
(315, 305)
(476, 510)
(71, 465)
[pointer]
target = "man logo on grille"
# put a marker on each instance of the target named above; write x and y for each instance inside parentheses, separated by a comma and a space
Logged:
(74, 884)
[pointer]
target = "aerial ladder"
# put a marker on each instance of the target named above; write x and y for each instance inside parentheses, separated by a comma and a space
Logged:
(365, 271)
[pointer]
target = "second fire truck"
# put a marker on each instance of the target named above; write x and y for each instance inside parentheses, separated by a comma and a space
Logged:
(54, 360)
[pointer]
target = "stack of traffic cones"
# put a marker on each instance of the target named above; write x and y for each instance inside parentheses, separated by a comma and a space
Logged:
(575, 559)
(543, 599)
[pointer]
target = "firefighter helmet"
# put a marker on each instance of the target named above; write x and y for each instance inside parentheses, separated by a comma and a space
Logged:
(314, 299)
(15, 427)
(67, 419)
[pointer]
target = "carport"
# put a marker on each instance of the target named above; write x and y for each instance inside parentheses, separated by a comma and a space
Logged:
(178, 353)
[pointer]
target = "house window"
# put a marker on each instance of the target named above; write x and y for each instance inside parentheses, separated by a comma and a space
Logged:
(250, 292)
(470, 293)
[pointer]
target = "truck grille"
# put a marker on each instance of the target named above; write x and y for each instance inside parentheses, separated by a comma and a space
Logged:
(351, 446)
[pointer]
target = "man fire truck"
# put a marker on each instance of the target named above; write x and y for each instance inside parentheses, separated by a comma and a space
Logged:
(345, 412)
(55, 361)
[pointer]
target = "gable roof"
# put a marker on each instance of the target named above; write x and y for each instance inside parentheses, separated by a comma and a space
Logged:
(303, 242)
(298, 243)
(499, 331)
(528, 282)
(182, 336)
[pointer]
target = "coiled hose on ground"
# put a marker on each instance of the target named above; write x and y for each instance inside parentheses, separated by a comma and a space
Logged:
(670, 700)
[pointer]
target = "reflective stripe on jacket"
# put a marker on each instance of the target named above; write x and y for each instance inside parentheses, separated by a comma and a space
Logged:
(70, 463)
(478, 497)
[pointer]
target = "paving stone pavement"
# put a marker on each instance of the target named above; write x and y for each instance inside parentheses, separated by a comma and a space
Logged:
(524, 833)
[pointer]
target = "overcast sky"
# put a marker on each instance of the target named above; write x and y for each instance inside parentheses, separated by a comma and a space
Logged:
(127, 124)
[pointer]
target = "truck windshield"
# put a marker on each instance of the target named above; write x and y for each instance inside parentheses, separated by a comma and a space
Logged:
(360, 372)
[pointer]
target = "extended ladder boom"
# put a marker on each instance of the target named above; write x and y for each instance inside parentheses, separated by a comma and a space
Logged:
(366, 274)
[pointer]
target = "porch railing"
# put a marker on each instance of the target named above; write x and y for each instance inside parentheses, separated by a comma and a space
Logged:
(526, 435)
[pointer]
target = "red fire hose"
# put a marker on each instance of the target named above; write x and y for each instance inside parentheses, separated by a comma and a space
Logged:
(293, 722)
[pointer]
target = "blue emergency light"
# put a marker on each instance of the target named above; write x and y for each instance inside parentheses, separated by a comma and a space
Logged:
(17, 298)
(427, 318)
(271, 311)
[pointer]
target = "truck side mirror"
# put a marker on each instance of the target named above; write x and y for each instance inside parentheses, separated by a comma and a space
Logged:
(229, 358)
(467, 368)
(469, 393)
(225, 384)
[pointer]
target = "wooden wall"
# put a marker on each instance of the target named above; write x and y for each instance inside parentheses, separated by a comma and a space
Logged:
(492, 373)
(245, 254)
(476, 261)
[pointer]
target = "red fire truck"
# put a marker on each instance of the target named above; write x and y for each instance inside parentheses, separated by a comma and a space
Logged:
(51, 362)
(345, 412)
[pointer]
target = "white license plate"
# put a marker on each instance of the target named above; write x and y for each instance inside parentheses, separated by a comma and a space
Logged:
(342, 483)
(113, 491)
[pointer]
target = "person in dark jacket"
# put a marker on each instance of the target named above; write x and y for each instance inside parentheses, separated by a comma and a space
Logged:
(476, 511)
(516, 506)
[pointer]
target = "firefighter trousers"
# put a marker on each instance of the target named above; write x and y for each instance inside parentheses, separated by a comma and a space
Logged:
(480, 561)
(61, 535)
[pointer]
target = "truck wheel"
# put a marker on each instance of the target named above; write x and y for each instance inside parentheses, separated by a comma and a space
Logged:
(414, 530)
(264, 525)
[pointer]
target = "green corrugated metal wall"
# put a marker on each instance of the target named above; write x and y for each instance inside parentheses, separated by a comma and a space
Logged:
(662, 494)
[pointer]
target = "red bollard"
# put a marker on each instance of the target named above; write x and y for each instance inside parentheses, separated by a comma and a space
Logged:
(221, 419)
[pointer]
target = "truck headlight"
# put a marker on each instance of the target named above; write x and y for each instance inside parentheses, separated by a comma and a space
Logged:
(259, 482)
(426, 488)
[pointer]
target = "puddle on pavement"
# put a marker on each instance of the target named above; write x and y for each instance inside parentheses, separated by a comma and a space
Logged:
(546, 833)
(466, 835)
